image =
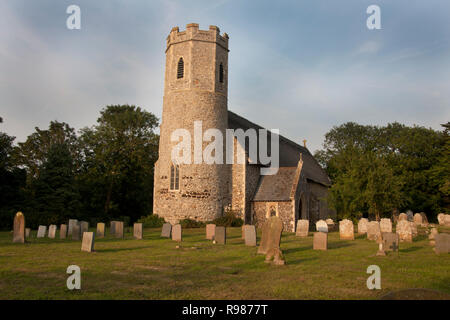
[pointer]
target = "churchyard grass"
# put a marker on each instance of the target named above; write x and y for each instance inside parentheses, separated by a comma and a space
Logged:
(153, 268)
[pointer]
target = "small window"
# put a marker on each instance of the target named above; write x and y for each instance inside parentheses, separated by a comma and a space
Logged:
(174, 177)
(221, 73)
(180, 70)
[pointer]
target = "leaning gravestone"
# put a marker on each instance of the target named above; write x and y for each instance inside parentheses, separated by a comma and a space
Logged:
(100, 230)
(210, 231)
(362, 225)
(166, 231)
(404, 230)
(137, 231)
(27, 232)
(441, 218)
(118, 229)
(385, 225)
(302, 228)
(84, 227)
(220, 235)
(390, 241)
(52, 231)
(76, 232)
(321, 226)
(63, 231)
(402, 216)
(88, 242)
(346, 230)
(72, 222)
(19, 228)
(250, 235)
(320, 241)
(271, 236)
(41, 231)
(373, 230)
(442, 243)
(177, 233)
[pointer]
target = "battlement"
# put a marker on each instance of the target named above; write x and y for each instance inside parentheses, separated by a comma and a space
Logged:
(193, 33)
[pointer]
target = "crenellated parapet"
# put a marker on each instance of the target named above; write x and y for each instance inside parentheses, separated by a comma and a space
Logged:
(193, 33)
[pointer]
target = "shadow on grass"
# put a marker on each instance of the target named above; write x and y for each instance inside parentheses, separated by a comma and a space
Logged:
(299, 261)
(121, 249)
(410, 249)
(293, 250)
(337, 245)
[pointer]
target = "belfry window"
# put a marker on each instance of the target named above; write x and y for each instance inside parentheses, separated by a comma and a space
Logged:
(174, 177)
(221, 73)
(180, 70)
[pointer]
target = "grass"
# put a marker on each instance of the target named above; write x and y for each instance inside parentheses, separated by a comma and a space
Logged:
(154, 268)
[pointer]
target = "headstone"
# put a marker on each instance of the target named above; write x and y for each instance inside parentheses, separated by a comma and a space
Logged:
(433, 233)
(72, 222)
(210, 231)
(250, 235)
(112, 227)
(76, 232)
(320, 241)
(362, 225)
(271, 236)
(100, 230)
(166, 231)
(52, 231)
(19, 228)
(404, 230)
(176, 233)
(302, 228)
(424, 219)
(276, 256)
(118, 229)
(137, 231)
(390, 241)
(381, 251)
(84, 227)
(330, 224)
(442, 243)
(220, 236)
(385, 225)
(243, 231)
(346, 230)
(441, 218)
(321, 226)
(63, 231)
(410, 215)
(413, 229)
(27, 232)
(447, 220)
(41, 231)
(373, 230)
(402, 216)
(88, 242)
(417, 219)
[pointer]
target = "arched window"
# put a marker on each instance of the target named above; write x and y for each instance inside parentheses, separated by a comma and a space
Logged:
(180, 70)
(174, 177)
(221, 73)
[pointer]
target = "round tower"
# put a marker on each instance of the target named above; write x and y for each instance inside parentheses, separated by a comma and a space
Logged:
(195, 89)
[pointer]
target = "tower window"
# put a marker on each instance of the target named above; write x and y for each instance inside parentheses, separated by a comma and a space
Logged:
(221, 73)
(180, 70)
(174, 177)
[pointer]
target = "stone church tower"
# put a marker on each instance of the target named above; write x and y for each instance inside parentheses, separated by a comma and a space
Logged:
(195, 89)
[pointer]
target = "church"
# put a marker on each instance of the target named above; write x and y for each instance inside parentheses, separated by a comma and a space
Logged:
(196, 89)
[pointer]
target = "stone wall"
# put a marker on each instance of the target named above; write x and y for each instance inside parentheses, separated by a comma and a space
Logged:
(284, 209)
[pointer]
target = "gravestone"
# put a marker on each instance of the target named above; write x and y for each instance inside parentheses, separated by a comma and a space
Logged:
(346, 230)
(302, 228)
(100, 230)
(112, 227)
(373, 230)
(320, 241)
(76, 232)
(137, 231)
(118, 229)
(271, 235)
(441, 218)
(220, 235)
(447, 220)
(385, 225)
(432, 235)
(410, 215)
(390, 241)
(402, 216)
(88, 242)
(404, 230)
(321, 226)
(442, 243)
(41, 231)
(52, 231)
(413, 229)
(84, 227)
(250, 235)
(362, 225)
(330, 224)
(63, 231)
(381, 251)
(19, 228)
(72, 222)
(27, 232)
(417, 219)
(243, 232)
(166, 231)
(176, 233)
(210, 231)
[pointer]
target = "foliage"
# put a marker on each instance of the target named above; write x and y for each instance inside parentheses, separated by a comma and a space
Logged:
(229, 219)
(188, 224)
(151, 221)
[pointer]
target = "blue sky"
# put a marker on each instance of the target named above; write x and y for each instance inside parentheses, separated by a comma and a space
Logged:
(300, 66)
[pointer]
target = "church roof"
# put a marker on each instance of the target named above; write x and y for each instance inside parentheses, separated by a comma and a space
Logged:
(276, 187)
(289, 152)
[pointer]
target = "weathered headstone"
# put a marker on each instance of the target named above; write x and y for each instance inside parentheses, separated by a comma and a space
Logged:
(27, 232)
(88, 242)
(52, 231)
(76, 232)
(243, 231)
(320, 241)
(321, 226)
(390, 241)
(373, 230)
(362, 225)
(210, 231)
(84, 227)
(250, 235)
(63, 231)
(404, 230)
(385, 225)
(41, 231)
(433, 233)
(220, 235)
(302, 228)
(137, 231)
(166, 231)
(447, 220)
(442, 243)
(402, 216)
(176, 233)
(330, 224)
(19, 228)
(413, 229)
(441, 218)
(417, 219)
(410, 215)
(271, 235)
(100, 230)
(72, 222)
(118, 229)
(346, 230)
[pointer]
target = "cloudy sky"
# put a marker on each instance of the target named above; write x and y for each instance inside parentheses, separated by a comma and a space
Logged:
(302, 66)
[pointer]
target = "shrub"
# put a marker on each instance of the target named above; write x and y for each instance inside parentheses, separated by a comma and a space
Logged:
(188, 223)
(229, 219)
(151, 221)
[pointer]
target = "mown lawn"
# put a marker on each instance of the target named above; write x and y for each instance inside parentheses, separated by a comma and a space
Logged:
(154, 268)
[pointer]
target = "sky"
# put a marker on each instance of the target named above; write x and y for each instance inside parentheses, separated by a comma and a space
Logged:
(300, 66)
